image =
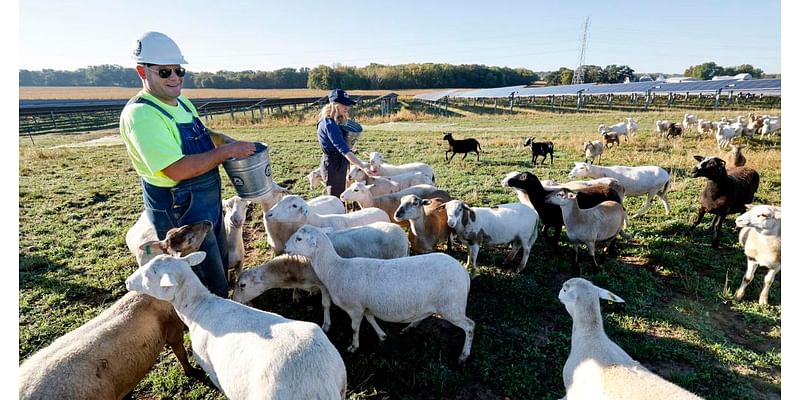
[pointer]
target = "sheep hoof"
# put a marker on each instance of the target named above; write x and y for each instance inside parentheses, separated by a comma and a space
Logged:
(462, 358)
(195, 373)
(352, 348)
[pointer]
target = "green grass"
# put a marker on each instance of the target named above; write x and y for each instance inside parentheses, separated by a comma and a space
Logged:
(679, 318)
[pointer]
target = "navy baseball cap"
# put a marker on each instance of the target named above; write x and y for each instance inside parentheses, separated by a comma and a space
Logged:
(341, 97)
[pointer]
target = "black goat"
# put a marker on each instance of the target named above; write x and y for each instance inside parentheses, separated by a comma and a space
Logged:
(674, 130)
(726, 191)
(550, 214)
(461, 146)
(539, 149)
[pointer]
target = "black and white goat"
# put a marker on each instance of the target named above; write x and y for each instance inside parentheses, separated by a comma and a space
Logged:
(539, 149)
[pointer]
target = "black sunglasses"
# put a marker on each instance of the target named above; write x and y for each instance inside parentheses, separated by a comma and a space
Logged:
(165, 73)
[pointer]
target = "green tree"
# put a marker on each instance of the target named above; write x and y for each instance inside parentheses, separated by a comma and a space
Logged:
(566, 75)
(704, 71)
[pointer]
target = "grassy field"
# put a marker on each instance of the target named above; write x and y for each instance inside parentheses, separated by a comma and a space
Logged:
(679, 319)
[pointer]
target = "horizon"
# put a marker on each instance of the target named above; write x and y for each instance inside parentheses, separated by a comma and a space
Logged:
(245, 35)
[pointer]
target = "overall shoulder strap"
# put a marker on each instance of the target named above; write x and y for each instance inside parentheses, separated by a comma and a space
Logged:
(142, 100)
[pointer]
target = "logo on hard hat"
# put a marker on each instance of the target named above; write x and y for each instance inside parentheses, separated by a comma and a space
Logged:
(138, 49)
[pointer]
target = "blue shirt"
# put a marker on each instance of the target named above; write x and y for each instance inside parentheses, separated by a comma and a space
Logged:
(331, 137)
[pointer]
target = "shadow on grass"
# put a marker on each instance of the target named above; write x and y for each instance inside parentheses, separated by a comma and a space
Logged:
(37, 273)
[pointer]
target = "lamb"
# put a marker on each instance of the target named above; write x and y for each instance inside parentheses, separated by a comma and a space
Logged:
(465, 146)
(513, 223)
(662, 126)
(108, 356)
(637, 181)
(735, 157)
(632, 127)
(403, 180)
(539, 149)
(724, 135)
(247, 353)
(761, 239)
(408, 289)
(383, 185)
(360, 193)
(143, 242)
(382, 240)
(689, 121)
(593, 149)
(315, 178)
(381, 167)
(597, 367)
(597, 225)
(674, 130)
(428, 222)
(294, 210)
(235, 215)
(610, 138)
(576, 186)
(531, 193)
(770, 126)
(705, 126)
(726, 191)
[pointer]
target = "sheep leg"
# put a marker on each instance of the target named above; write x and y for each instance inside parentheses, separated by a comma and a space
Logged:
(355, 324)
(590, 246)
(326, 308)
(473, 255)
(747, 278)
(717, 228)
(663, 197)
(526, 252)
(513, 253)
(465, 156)
(378, 330)
(700, 214)
(768, 279)
(445, 155)
(478, 154)
(575, 247)
(469, 331)
(646, 206)
(175, 342)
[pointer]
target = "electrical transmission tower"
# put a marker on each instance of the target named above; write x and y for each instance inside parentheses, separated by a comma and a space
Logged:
(577, 76)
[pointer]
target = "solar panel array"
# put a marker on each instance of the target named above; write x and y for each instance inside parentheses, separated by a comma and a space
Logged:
(758, 86)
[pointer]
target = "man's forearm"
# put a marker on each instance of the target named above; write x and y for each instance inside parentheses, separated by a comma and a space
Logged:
(195, 164)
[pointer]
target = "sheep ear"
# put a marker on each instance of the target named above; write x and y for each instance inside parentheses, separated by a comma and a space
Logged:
(699, 158)
(749, 206)
(426, 202)
(608, 295)
(153, 247)
(776, 213)
(570, 195)
(304, 209)
(195, 258)
(471, 214)
(723, 162)
(167, 281)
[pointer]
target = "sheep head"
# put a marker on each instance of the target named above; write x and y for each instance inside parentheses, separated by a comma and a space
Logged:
(579, 294)
(304, 242)
(161, 275)
(709, 167)
(761, 218)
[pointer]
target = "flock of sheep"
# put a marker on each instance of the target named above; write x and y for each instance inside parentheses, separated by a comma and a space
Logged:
(361, 262)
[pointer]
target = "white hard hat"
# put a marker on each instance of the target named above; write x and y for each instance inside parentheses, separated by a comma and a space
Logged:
(157, 48)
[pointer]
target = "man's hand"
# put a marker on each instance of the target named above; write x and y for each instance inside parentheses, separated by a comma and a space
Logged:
(239, 149)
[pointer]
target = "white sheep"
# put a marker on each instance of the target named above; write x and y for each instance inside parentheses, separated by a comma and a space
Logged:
(293, 209)
(407, 289)
(593, 149)
(360, 193)
(592, 226)
(514, 223)
(637, 181)
(315, 178)
(235, 216)
(143, 242)
(276, 234)
(662, 126)
(724, 135)
(597, 368)
(382, 240)
(761, 239)
(379, 165)
(632, 126)
(575, 186)
(247, 353)
(705, 126)
(689, 121)
(770, 126)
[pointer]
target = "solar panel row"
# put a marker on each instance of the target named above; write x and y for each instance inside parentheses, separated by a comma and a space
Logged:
(772, 86)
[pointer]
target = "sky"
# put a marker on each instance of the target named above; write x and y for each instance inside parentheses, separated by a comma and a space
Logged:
(239, 35)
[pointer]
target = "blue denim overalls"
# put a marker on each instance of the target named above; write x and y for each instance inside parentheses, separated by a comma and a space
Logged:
(192, 200)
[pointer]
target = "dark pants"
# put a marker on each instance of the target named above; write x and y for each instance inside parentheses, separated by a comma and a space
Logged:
(334, 171)
(193, 200)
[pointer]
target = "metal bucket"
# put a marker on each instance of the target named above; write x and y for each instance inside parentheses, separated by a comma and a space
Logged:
(251, 176)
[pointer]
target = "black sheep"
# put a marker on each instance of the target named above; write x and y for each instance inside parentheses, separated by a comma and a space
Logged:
(539, 149)
(674, 130)
(726, 191)
(461, 146)
(550, 214)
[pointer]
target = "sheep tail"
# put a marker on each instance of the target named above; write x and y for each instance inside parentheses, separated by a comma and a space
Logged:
(665, 188)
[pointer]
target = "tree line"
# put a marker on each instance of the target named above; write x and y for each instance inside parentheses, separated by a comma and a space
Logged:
(372, 76)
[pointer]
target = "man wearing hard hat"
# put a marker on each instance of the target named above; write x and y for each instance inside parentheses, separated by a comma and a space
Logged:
(175, 155)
